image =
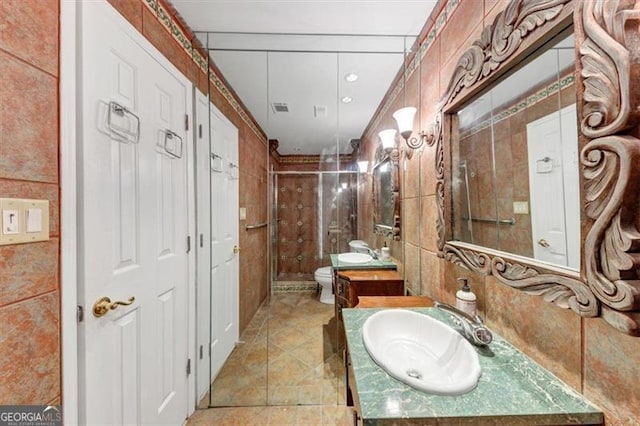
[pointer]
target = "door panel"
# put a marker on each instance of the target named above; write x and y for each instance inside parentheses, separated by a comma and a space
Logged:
(554, 189)
(133, 228)
(224, 238)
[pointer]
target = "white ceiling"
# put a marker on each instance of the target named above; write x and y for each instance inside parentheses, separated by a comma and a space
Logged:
(298, 52)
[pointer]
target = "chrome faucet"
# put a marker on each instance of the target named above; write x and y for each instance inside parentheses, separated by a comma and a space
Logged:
(472, 327)
(372, 252)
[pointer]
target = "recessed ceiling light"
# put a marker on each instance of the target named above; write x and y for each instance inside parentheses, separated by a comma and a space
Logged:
(346, 99)
(351, 77)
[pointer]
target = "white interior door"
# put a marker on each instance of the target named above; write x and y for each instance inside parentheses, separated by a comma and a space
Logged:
(225, 175)
(133, 225)
(552, 143)
(203, 249)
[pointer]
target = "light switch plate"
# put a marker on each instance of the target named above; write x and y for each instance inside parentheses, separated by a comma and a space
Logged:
(520, 207)
(30, 227)
(243, 213)
(36, 216)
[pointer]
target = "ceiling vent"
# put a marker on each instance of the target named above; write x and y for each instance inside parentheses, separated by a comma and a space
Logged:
(319, 111)
(280, 107)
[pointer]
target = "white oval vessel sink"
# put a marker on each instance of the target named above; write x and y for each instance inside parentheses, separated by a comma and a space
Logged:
(422, 352)
(354, 257)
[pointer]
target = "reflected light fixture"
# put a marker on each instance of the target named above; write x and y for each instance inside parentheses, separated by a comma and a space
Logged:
(363, 166)
(388, 138)
(344, 185)
(346, 99)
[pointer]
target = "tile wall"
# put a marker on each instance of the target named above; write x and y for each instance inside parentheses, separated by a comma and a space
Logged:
(587, 354)
(29, 142)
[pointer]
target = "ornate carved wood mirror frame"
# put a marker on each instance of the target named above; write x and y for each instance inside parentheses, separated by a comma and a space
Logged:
(607, 35)
(387, 230)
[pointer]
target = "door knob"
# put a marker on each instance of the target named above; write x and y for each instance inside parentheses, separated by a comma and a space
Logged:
(236, 249)
(104, 305)
(542, 242)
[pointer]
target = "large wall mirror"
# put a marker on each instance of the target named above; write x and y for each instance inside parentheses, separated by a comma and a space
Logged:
(515, 179)
(537, 154)
(386, 194)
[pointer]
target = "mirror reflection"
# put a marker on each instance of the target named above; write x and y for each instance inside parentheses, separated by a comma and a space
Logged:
(515, 177)
(383, 189)
(290, 351)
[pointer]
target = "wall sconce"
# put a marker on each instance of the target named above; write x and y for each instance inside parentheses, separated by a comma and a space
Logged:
(388, 138)
(404, 119)
(363, 166)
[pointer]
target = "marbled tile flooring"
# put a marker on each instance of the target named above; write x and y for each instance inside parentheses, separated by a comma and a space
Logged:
(286, 371)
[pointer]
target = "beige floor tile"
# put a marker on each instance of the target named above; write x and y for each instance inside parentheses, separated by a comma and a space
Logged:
(309, 416)
(337, 415)
(282, 416)
(288, 346)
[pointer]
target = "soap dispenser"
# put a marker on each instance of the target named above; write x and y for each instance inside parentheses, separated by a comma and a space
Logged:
(466, 299)
(386, 254)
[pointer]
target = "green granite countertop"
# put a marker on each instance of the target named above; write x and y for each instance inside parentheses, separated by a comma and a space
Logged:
(374, 264)
(512, 390)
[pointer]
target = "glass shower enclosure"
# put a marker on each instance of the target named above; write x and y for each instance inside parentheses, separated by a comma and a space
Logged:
(315, 215)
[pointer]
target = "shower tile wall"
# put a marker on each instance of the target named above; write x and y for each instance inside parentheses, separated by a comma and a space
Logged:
(297, 235)
(305, 217)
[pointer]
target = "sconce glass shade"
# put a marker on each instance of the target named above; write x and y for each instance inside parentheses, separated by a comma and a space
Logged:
(363, 166)
(404, 118)
(388, 138)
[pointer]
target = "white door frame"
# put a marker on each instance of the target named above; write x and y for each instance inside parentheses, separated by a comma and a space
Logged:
(69, 125)
(69, 11)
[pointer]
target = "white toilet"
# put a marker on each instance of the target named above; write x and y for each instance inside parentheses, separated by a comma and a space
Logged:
(324, 277)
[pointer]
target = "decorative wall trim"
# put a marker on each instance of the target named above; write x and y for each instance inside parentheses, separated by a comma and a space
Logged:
(176, 30)
(475, 261)
(294, 286)
(610, 158)
(499, 41)
(511, 110)
(565, 292)
(310, 159)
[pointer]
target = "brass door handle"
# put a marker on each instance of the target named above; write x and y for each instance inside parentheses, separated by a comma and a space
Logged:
(236, 249)
(542, 242)
(104, 305)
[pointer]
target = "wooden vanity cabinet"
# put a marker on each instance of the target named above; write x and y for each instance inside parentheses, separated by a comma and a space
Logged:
(348, 285)
(369, 282)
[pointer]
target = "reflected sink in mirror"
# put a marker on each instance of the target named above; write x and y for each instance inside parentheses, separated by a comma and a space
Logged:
(421, 352)
(354, 258)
